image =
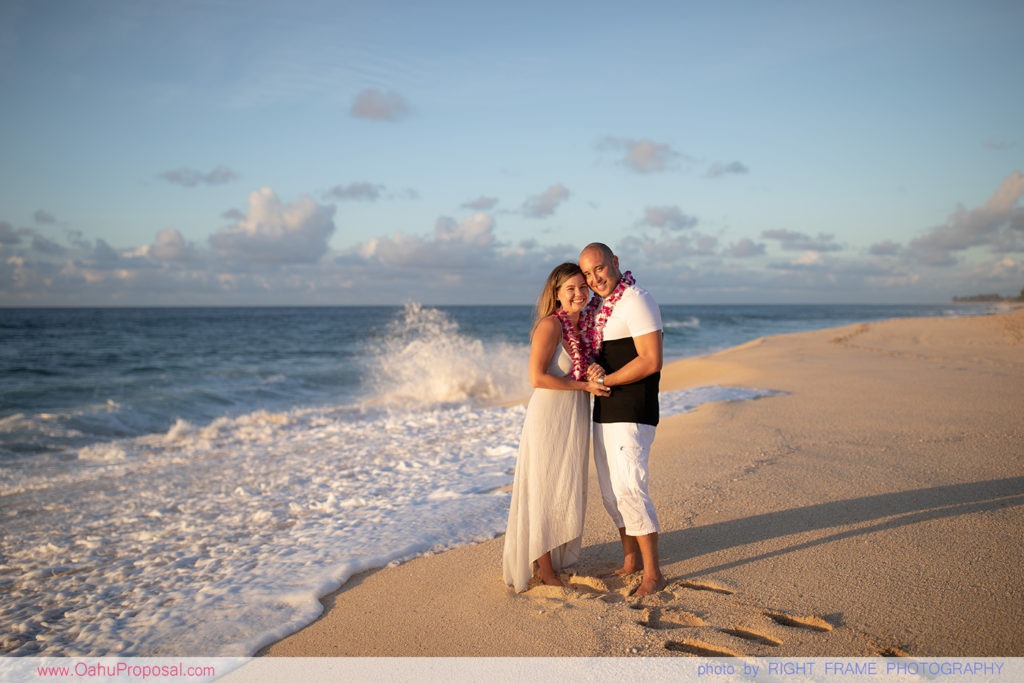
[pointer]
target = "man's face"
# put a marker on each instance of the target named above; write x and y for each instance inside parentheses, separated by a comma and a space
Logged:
(601, 272)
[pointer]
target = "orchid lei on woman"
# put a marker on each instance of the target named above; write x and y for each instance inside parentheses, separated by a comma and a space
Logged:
(585, 343)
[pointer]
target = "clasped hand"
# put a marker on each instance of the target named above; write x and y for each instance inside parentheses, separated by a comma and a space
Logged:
(594, 373)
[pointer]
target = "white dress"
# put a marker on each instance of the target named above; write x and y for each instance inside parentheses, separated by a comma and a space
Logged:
(549, 492)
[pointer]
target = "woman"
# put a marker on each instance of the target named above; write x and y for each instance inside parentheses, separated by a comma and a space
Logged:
(545, 520)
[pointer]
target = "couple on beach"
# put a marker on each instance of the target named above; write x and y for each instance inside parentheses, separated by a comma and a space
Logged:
(611, 347)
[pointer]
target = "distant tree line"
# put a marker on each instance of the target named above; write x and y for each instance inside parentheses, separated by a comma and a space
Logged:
(987, 298)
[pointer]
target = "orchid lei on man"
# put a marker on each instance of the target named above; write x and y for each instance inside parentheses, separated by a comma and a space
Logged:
(585, 343)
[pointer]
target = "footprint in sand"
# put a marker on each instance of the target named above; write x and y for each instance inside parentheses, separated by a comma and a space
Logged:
(753, 636)
(744, 622)
(705, 618)
(699, 648)
(712, 586)
(812, 623)
(669, 618)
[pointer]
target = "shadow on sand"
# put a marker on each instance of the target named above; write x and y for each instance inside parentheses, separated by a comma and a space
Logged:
(867, 515)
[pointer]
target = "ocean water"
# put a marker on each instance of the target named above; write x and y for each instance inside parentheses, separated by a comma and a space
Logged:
(190, 481)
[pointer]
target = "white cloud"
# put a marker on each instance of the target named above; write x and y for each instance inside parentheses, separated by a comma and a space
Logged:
(8, 234)
(885, 248)
(44, 245)
(647, 156)
(190, 177)
(453, 244)
(44, 217)
(545, 204)
(379, 106)
(274, 232)
(481, 203)
(665, 249)
(643, 156)
(735, 168)
(359, 191)
(171, 246)
(996, 224)
(668, 218)
(809, 258)
(745, 248)
(998, 145)
(790, 240)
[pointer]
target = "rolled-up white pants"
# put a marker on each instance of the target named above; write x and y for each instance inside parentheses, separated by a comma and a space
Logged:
(621, 451)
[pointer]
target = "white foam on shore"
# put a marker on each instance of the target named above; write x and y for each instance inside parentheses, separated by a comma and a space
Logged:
(216, 540)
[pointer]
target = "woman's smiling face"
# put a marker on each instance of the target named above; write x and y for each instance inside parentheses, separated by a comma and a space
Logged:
(573, 294)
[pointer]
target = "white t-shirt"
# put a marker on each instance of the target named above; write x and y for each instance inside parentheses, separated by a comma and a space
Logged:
(634, 315)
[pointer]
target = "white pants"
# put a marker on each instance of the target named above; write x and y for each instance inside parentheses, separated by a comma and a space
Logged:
(621, 450)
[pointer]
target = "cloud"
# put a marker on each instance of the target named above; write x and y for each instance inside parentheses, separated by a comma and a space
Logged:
(171, 246)
(8, 234)
(665, 250)
(453, 244)
(104, 255)
(668, 218)
(886, 248)
(745, 248)
(735, 168)
(359, 191)
(379, 106)
(643, 156)
(190, 177)
(809, 258)
(545, 204)
(798, 241)
(44, 217)
(997, 224)
(998, 145)
(44, 245)
(273, 232)
(481, 203)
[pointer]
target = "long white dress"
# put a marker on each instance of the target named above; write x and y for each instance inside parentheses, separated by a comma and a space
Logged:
(549, 492)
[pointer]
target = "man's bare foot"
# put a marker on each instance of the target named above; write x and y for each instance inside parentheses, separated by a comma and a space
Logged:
(631, 564)
(650, 585)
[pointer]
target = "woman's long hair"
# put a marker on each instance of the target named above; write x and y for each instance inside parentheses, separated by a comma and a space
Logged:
(547, 302)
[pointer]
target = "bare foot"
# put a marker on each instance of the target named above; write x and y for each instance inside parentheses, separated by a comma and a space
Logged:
(631, 564)
(650, 585)
(551, 580)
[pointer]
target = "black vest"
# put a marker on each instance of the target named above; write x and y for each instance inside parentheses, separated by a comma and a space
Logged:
(636, 402)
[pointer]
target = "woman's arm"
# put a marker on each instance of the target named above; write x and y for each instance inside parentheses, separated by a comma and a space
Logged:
(546, 338)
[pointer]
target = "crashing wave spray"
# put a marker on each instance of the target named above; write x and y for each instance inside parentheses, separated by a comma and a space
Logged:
(425, 359)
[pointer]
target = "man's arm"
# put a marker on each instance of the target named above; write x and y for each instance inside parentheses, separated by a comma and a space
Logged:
(649, 349)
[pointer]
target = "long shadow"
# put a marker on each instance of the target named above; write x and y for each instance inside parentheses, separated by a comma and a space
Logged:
(887, 510)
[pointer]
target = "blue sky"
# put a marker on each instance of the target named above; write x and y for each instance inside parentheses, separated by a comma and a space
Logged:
(221, 152)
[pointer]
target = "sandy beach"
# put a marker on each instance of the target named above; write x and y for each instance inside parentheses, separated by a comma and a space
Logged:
(874, 505)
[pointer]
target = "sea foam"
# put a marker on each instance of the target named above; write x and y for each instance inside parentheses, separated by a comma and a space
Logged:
(217, 540)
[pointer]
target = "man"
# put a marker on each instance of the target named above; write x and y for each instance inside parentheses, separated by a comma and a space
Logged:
(629, 363)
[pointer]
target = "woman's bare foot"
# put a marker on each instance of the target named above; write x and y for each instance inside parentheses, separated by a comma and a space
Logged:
(548, 575)
(551, 580)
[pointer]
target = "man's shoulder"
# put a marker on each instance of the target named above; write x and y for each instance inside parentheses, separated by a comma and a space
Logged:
(637, 291)
(635, 295)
